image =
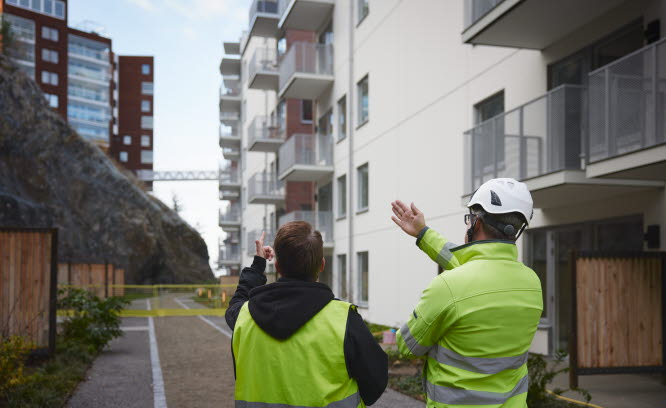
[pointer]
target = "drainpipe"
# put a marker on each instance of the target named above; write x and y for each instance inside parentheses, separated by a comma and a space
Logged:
(350, 173)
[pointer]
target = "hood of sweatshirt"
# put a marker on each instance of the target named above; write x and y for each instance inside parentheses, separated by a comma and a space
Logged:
(283, 307)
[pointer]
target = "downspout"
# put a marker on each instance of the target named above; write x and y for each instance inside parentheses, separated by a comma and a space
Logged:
(350, 177)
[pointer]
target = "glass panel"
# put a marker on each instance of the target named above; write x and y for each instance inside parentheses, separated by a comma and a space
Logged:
(342, 196)
(342, 118)
(489, 108)
(363, 276)
(342, 276)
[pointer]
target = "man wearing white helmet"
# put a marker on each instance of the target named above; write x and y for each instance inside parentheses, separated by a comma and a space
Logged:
(475, 322)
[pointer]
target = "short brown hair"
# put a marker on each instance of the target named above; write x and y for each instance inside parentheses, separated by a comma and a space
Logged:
(299, 250)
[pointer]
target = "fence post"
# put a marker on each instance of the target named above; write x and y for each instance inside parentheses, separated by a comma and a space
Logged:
(573, 336)
(53, 291)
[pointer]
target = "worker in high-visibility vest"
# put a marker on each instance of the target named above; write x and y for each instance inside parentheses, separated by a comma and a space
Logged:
(475, 321)
(294, 344)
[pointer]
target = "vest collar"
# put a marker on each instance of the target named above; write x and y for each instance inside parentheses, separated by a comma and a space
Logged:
(494, 249)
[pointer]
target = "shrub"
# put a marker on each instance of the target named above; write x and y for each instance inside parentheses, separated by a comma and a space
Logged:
(13, 352)
(92, 321)
(541, 375)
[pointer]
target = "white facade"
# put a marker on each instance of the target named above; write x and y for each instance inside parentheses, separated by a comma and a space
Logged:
(424, 82)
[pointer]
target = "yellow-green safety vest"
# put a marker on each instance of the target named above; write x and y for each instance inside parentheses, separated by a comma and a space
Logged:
(306, 370)
(474, 324)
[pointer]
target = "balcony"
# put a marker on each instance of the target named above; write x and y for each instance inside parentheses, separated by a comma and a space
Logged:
(229, 118)
(265, 188)
(264, 18)
(230, 218)
(255, 235)
(306, 158)
(263, 136)
(263, 70)
(308, 15)
(230, 99)
(627, 121)
(230, 255)
(229, 137)
(231, 153)
(322, 221)
(229, 178)
(532, 24)
(231, 47)
(306, 70)
(230, 66)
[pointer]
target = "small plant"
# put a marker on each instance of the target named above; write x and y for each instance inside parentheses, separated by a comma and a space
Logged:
(13, 352)
(541, 375)
(92, 321)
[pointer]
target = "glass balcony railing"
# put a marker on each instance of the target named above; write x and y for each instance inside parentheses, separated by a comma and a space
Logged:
(262, 129)
(628, 104)
(229, 92)
(80, 50)
(306, 58)
(255, 235)
(230, 215)
(263, 187)
(540, 137)
(229, 254)
(307, 151)
(322, 221)
(264, 60)
(229, 175)
(475, 9)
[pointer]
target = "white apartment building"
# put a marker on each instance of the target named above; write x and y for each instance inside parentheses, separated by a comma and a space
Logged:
(423, 100)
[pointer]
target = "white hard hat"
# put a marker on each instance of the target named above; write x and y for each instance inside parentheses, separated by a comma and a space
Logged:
(502, 196)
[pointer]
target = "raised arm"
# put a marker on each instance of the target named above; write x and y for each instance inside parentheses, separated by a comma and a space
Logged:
(411, 220)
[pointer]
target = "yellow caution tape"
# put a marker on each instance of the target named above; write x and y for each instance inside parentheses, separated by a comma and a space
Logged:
(172, 312)
(586, 404)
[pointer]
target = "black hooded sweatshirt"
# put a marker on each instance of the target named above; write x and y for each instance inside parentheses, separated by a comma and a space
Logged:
(283, 307)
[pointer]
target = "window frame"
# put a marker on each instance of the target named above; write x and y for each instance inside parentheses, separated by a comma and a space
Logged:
(143, 69)
(146, 156)
(365, 6)
(125, 155)
(145, 109)
(341, 184)
(341, 121)
(127, 140)
(303, 119)
(144, 138)
(363, 267)
(359, 120)
(341, 260)
(363, 172)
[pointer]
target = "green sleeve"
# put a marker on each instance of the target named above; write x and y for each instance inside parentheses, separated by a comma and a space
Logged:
(437, 248)
(434, 314)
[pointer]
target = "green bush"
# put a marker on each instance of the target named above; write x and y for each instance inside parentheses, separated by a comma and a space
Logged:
(541, 375)
(92, 321)
(13, 352)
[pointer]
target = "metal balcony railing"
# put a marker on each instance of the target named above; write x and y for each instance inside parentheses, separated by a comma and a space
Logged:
(266, 186)
(263, 7)
(230, 215)
(475, 9)
(309, 150)
(231, 153)
(540, 137)
(264, 60)
(228, 117)
(228, 134)
(230, 253)
(255, 235)
(628, 103)
(306, 58)
(262, 128)
(322, 221)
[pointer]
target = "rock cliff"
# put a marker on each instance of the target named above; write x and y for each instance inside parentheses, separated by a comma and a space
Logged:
(51, 177)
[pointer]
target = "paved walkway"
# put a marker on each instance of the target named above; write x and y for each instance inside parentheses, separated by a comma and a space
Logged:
(195, 367)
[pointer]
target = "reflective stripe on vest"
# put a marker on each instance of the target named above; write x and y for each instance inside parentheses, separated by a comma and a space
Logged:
(480, 365)
(445, 254)
(351, 401)
(460, 396)
(414, 346)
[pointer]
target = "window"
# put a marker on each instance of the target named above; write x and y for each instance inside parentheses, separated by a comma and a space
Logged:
(124, 157)
(362, 266)
(342, 276)
(145, 106)
(342, 118)
(489, 108)
(145, 141)
(127, 140)
(342, 196)
(363, 10)
(326, 36)
(49, 33)
(53, 8)
(50, 55)
(281, 47)
(146, 88)
(326, 124)
(145, 69)
(50, 78)
(363, 187)
(146, 156)
(363, 100)
(306, 111)
(53, 100)
(146, 122)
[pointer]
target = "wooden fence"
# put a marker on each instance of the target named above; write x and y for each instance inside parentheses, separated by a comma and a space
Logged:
(103, 279)
(28, 274)
(618, 314)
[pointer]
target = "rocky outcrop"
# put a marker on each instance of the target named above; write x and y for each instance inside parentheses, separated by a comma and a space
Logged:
(51, 177)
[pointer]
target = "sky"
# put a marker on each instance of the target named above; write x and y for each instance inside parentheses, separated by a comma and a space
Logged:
(185, 37)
